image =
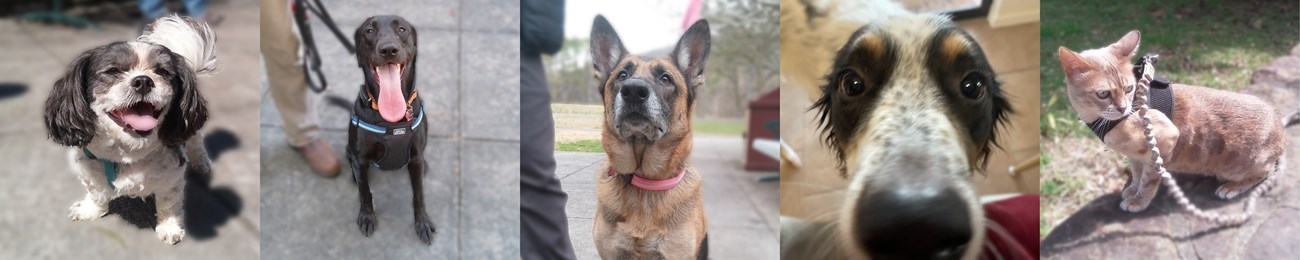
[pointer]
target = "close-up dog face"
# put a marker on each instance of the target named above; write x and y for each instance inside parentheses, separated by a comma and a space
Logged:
(386, 54)
(125, 91)
(909, 108)
(648, 99)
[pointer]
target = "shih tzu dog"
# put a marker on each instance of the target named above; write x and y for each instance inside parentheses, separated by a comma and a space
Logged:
(131, 112)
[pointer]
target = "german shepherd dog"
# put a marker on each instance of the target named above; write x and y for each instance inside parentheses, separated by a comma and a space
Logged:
(649, 204)
(909, 107)
(387, 129)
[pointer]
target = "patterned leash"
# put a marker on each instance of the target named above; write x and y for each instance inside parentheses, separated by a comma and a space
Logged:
(1148, 71)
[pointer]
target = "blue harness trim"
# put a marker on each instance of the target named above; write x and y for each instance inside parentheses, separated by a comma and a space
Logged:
(110, 167)
(381, 130)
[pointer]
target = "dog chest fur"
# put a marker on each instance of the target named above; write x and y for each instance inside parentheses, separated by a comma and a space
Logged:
(637, 223)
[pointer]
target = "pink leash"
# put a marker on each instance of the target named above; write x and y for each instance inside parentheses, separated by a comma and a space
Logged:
(654, 185)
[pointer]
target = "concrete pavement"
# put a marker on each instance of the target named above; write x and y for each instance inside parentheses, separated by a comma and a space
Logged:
(742, 213)
(222, 209)
(468, 76)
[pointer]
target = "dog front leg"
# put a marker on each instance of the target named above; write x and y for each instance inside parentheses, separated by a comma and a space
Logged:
(197, 154)
(170, 213)
(423, 227)
(366, 219)
(95, 204)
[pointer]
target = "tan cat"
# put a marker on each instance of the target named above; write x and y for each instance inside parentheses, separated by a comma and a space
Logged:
(1233, 137)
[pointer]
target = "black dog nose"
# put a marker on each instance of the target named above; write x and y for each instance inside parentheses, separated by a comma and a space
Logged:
(142, 84)
(388, 50)
(635, 91)
(913, 222)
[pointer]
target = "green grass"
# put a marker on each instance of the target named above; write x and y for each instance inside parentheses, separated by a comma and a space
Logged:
(590, 146)
(1212, 43)
(716, 127)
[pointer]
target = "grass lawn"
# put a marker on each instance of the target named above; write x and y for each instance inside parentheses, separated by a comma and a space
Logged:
(587, 145)
(1213, 43)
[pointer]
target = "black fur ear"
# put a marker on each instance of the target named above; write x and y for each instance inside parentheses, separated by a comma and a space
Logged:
(68, 117)
(606, 50)
(358, 40)
(692, 51)
(188, 110)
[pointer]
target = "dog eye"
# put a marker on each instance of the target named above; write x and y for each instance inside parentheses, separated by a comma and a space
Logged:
(665, 79)
(369, 31)
(973, 85)
(1103, 94)
(622, 75)
(112, 71)
(163, 72)
(852, 85)
(401, 29)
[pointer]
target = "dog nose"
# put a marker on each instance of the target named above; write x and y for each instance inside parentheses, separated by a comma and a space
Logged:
(142, 84)
(635, 91)
(389, 50)
(913, 222)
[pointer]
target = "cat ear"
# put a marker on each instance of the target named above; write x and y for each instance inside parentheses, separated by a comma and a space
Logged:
(1127, 46)
(1071, 62)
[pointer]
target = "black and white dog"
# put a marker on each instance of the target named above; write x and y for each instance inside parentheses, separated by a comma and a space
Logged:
(131, 112)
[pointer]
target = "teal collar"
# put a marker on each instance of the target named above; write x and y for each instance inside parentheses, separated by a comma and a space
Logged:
(110, 167)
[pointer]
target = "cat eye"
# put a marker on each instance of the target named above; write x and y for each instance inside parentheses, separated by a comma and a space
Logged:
(972, 86)
(1128, 89)
(852, 85)
(1103, 94)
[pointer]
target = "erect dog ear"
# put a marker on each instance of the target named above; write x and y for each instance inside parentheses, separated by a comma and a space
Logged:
(68, 117)
(692, 51)
(187, 111)
(606, 50)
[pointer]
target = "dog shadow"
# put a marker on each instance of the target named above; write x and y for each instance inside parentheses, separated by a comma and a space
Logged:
(12, 89)
(206, 207)
(1101, 221)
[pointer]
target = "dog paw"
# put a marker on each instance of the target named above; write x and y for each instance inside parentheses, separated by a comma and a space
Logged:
(1226, 192)
(86, 210)
(367, 223)
(170, 233)
(425, 229)
(1129, 192)
(1134, 205)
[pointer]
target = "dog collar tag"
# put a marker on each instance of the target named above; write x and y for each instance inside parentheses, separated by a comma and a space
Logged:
(399, 131)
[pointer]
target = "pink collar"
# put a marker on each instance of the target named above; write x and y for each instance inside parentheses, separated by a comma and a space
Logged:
(654, 185)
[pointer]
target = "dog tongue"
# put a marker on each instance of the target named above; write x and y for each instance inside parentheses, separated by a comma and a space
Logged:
(139, 117)
(391, 104)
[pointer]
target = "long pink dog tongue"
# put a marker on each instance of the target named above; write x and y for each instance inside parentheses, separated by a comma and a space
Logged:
(139, 117)
(391, 105)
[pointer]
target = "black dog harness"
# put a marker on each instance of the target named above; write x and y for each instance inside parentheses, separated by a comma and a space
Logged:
(394, 137)
(1160, 97)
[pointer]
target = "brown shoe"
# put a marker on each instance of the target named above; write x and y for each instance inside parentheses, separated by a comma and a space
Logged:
(321, 157)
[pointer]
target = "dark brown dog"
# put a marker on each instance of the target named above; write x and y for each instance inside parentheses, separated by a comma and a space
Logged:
(649, 204)
(387, 129)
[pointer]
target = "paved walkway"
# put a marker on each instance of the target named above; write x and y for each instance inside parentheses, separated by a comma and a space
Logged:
(468, 78)
(222, 209)
(742, 213)
(1100, 230)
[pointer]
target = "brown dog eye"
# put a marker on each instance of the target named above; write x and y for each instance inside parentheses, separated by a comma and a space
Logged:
(401, 29)
(622, 75)
(369, 31)
(112, 71)
(162, 72)
(972, 86)
(852, 85)
(1103, 94)
(665, 79)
